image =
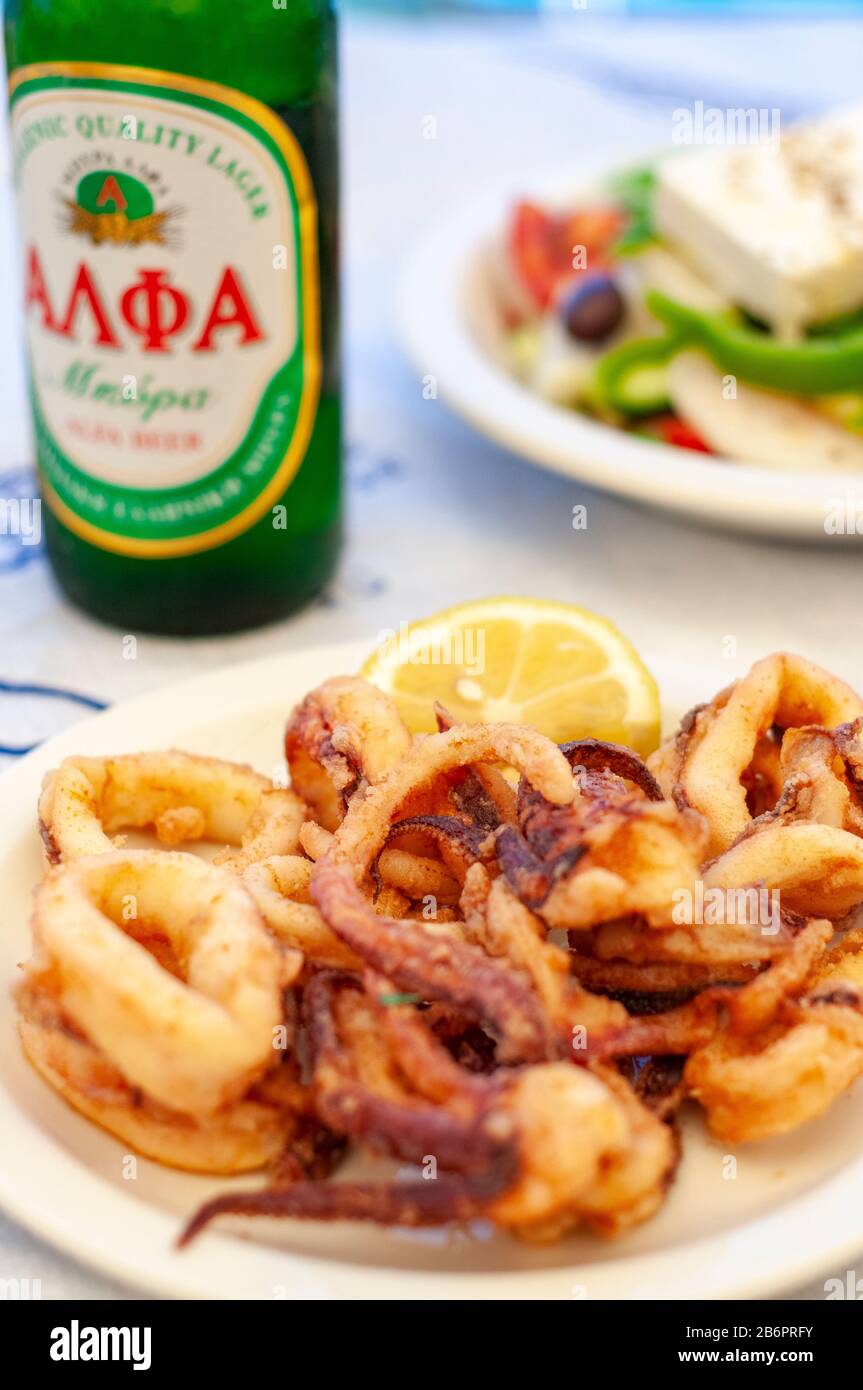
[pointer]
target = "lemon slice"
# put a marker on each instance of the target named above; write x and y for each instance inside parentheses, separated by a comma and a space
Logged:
(562, 669)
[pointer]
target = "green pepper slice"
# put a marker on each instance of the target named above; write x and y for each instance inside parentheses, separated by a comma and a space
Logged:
(631, 379)
(816, 367)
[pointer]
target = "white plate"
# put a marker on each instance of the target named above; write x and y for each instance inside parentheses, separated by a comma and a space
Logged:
(448, 328)
(792, 1213)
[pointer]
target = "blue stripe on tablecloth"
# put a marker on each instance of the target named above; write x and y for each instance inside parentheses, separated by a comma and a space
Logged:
(43, 692)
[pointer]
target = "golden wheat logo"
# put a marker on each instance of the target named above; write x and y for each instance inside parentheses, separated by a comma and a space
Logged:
(118, 210)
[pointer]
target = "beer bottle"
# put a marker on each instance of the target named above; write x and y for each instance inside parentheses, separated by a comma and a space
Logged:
(176, 175)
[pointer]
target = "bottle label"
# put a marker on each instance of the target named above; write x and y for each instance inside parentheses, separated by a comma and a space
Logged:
(171, 301)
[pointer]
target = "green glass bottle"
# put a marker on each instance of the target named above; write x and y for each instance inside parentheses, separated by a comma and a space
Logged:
(177, 179)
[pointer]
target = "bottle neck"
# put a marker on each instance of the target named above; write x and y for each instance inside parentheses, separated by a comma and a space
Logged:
(280, 56)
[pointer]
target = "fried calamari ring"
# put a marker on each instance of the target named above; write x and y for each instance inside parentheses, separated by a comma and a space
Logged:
(816, 869)
(273, 829)
(343, 734)
(709, 760)
(181, 796)
(755, 1087)
(415, 875)
(246, 1135)
(280, 887)
(817, 775)
(195, 1040)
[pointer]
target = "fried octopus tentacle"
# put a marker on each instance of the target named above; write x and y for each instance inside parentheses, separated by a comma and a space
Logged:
(562, 1145)
(417, 959)
(507, 929)
(594, 755)
(436, 968)
(466, 840)
(530, 878)
(619, 848)
(360, 1093)
(450, 1198)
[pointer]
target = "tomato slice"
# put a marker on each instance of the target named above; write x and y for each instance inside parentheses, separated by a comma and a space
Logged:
(549, 249)
(683, 436)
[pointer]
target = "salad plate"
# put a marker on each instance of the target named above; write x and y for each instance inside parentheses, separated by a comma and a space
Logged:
(701, 434)
(790, 1214)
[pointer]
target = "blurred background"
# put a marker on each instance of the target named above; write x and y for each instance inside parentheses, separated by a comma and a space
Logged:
(436, 513)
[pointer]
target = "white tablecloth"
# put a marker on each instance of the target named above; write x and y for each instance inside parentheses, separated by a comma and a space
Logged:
(436, 514)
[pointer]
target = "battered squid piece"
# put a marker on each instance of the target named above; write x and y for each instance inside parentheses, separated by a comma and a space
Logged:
(816, 770)
(815, 869)
(160, 1029)
(466, 842)
(480, 792)
(586, 1027)
(507, 930)
(485, 991)
(755, 1086)
(280, 887)
(244, 1136)
(342, 736)
(182, 797)
(618, 849)
(192, 1031)
(708, 763)
(541, 1149)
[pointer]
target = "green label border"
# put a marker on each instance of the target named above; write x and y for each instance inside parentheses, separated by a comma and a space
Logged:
(235, 494)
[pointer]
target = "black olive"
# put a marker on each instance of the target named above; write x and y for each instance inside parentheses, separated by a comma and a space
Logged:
(592, 309)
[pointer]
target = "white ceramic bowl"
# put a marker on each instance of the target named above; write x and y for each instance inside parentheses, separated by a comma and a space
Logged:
(448, 327)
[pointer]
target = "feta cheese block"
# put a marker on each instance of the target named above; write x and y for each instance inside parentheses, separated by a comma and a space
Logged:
(777, 228)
